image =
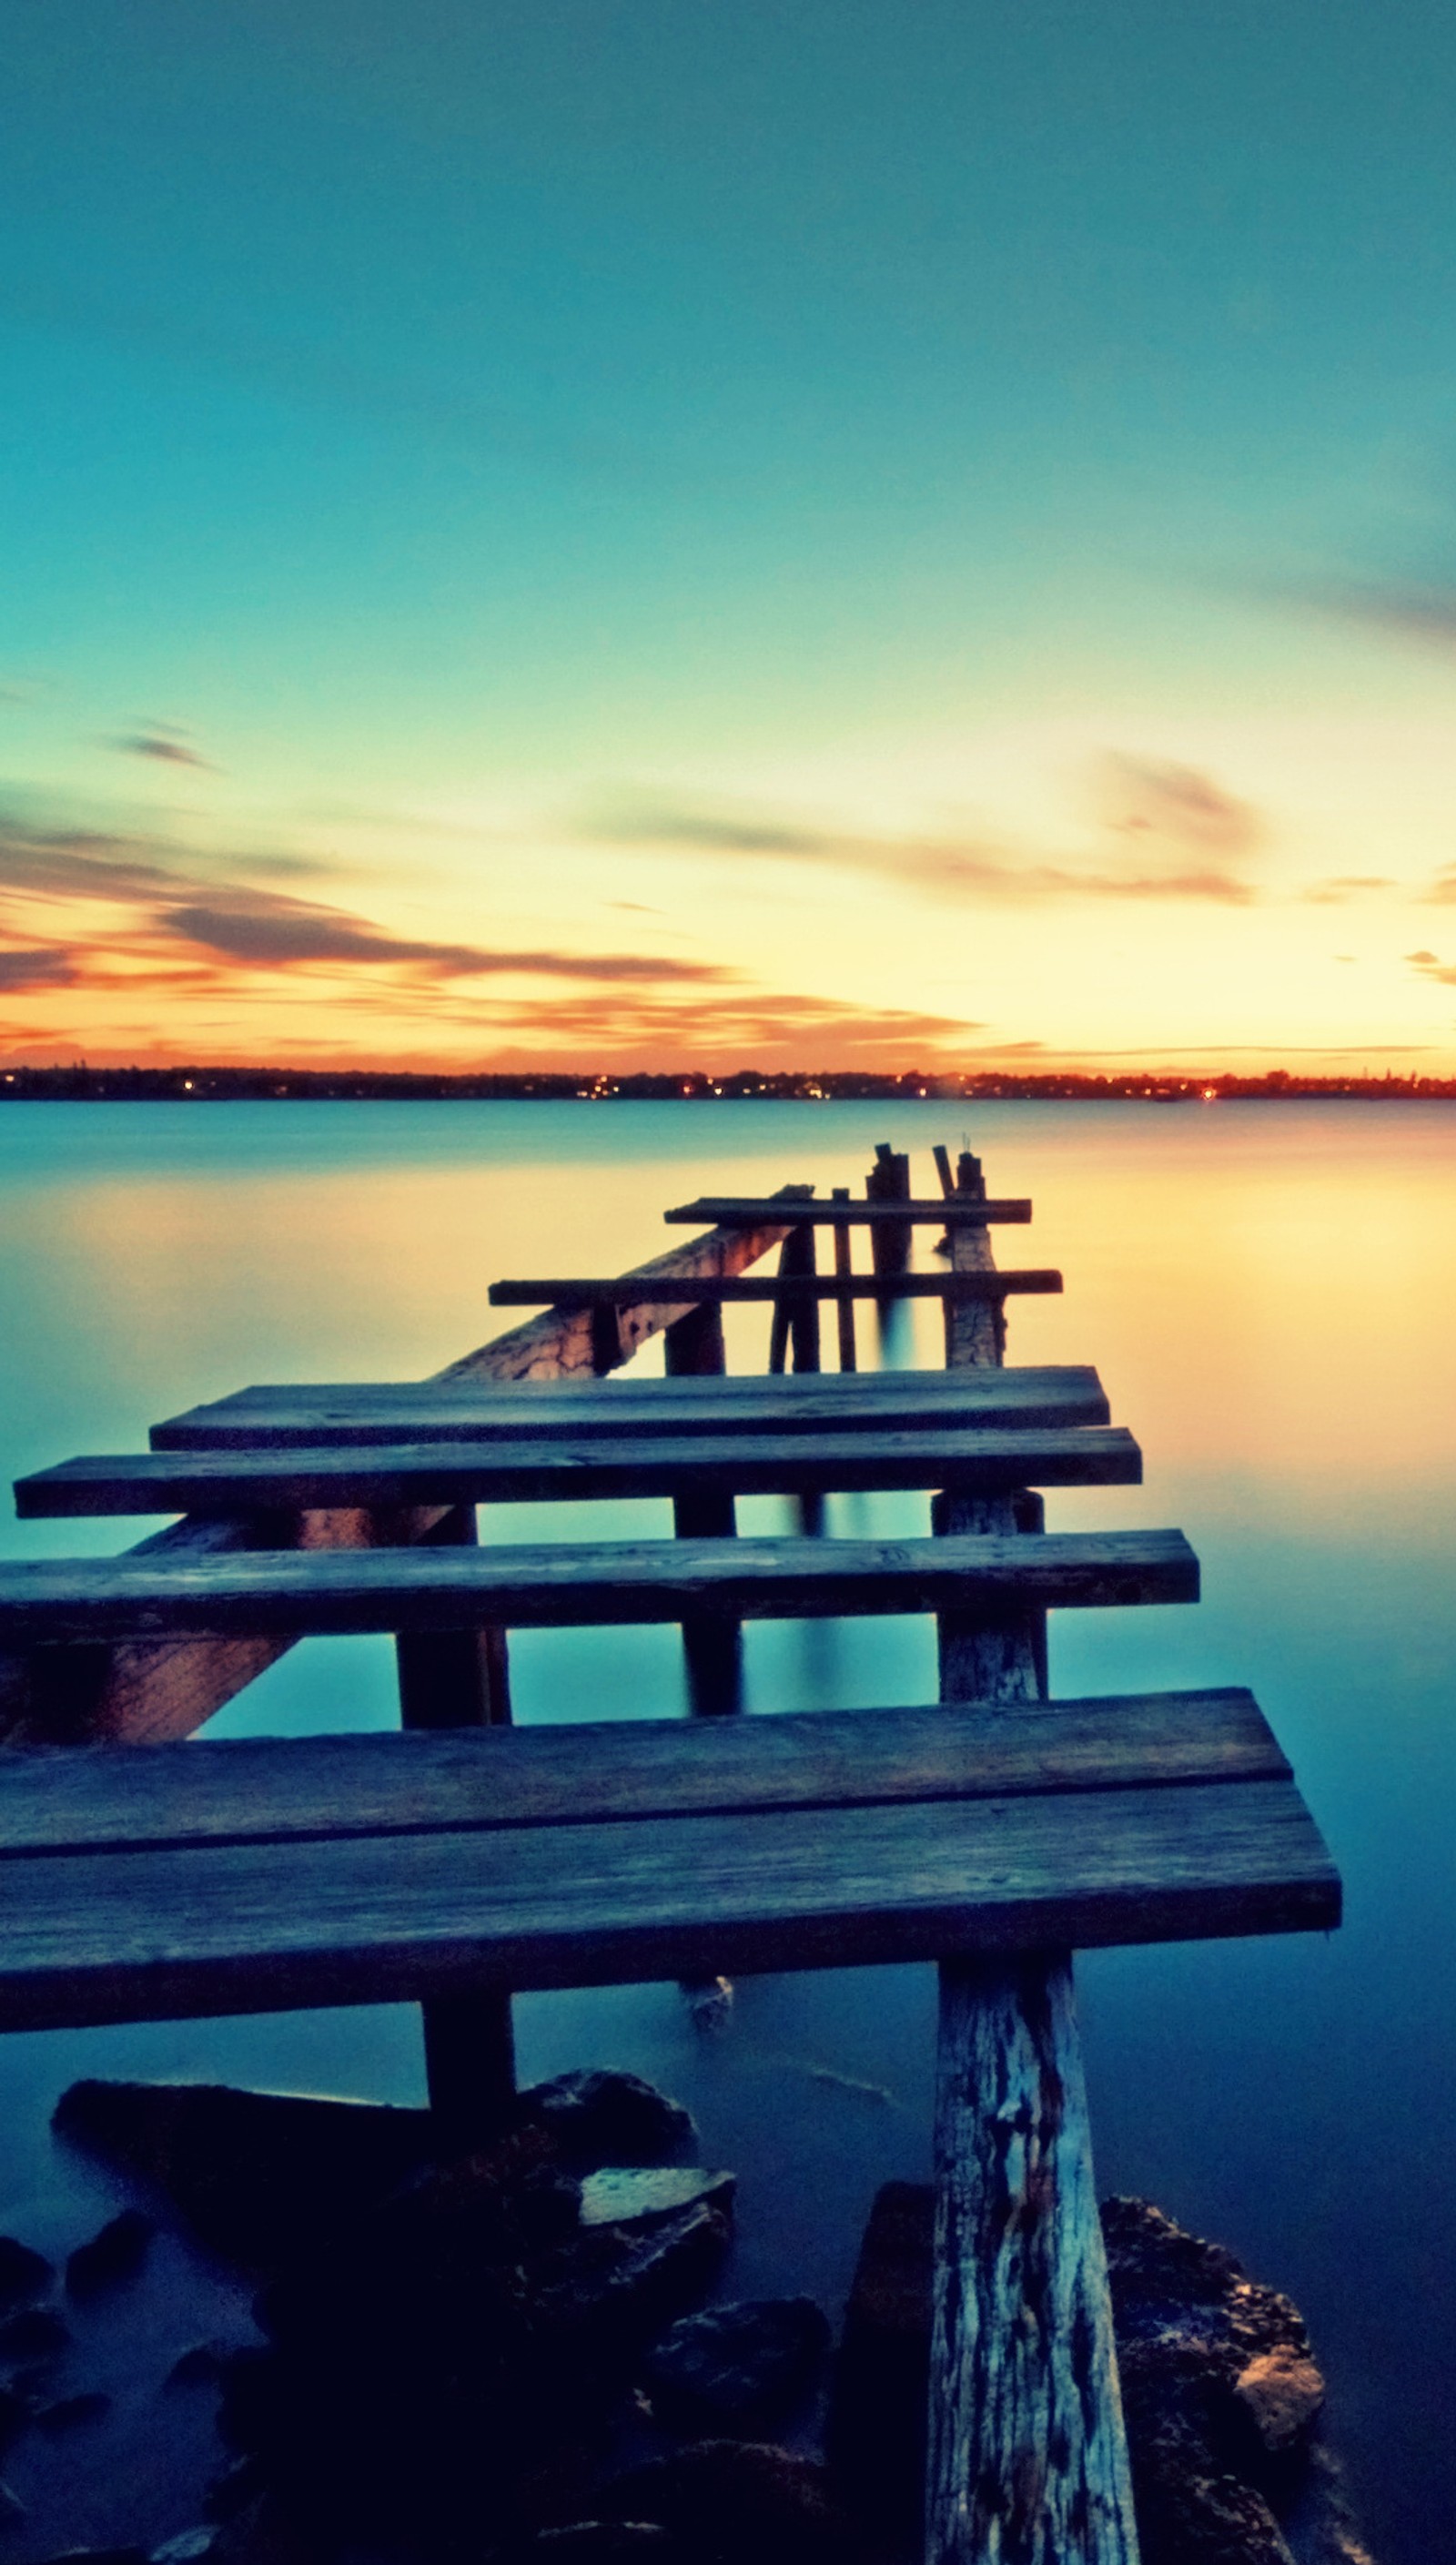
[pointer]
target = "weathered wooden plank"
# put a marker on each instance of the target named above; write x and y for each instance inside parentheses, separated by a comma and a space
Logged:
(148, 1691)
(561, 1345)
(711, 1470)
(113, 1937)
(579, 1584)
(401, 1411)
(612, 1293)
(265, 1789)
(145, 1692)
(1026, 2453)
(727, 1211)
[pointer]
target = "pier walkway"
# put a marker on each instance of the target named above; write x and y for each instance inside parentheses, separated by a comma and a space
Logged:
(463, 1860)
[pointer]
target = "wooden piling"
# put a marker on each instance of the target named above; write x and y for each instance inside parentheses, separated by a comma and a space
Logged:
(713, 1644)
(1027, 2456)
(842, 1267)
(888, 1182)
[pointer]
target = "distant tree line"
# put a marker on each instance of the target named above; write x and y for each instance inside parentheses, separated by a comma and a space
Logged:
(82, 1083)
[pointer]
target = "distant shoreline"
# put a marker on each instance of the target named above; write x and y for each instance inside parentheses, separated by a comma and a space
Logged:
(203, 1085)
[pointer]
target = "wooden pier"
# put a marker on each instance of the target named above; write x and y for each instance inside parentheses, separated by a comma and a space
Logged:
(463, 1860)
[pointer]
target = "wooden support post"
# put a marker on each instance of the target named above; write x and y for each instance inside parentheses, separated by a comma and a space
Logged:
(459, 1679)
(842, 1267)
(713, 1646)
(889, 1181)
(1027, 2459)
(778, 1324)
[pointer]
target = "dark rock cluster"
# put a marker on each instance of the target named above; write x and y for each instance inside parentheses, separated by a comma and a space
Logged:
(508, 2357)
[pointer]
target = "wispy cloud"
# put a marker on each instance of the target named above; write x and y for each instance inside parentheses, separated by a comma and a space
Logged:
(164, 746)
(1176, 804)
(174, 916)
(1441, 893)
(1430, 966)
(1339, 888)
(38, 966)
(1414, 611)
(1189, 837)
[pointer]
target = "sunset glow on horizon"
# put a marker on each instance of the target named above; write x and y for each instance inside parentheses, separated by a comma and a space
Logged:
(628, 537)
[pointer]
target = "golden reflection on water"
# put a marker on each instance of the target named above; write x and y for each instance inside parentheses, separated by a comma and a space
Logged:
(1268, 1293)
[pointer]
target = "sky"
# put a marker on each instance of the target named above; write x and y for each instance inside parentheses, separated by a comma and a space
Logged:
(724, 533)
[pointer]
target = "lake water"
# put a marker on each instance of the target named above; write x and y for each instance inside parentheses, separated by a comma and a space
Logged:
(1268, 1293)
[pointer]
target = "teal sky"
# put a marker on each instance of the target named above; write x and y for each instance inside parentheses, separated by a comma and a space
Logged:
(649, 531)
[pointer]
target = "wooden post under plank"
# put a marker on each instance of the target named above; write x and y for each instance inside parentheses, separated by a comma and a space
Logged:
(842, 1267)
(459, 1679)
(887, 1182)
(713, 1644)
(1027, 2459)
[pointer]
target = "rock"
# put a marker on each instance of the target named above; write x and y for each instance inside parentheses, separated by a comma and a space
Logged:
(187, 2548)
(201, 2365)
(738, 2367)
(709, 2002)
(1281, 2395)
(631, 2196)
(71, 2410)
(37, 2333)
(600, 2116)
(24, 2277)
(12, 2509)
(256, 2176)
(1210, 2487)
(232, 2492)
(1187, 2516)
(436, 2367)
(1189, 2326)
(606, 2542)
(116, 2253)
(739, 2502)
(99, 2556)
(876, 2435)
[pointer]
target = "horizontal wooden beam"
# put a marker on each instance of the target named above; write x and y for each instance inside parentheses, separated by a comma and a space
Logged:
(149, 1690)
(978, 1460)
(348, 1412)
(617, 1294)
(118, 1935)
(956, 1211)
(580, 1585)
(266, 1789)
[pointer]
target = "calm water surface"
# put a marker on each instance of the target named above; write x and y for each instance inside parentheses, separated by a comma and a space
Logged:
(1268, 1293)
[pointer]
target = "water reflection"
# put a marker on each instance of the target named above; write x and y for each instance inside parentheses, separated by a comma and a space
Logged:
(1267, 1293)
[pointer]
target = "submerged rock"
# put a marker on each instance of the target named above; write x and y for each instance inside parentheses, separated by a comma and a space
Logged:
(114, 2254)
(737, 2367)
(441, 2363)
(739, 2502)
(631, 2196)
(608, 2542)
(36, 2333)
(601, 2116)
(25, 2277)
(69, 2411)
(877, 2413)
(256, 2175)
